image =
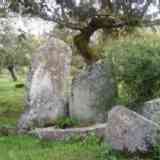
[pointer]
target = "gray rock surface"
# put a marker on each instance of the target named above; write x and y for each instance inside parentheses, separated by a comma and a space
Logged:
(93, 93)
(52, 133)
(128, 131)
(97, 39)
(151, 110)
(47, 85)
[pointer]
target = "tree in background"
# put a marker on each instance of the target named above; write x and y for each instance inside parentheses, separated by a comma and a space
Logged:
(135, 62)
(15, 50)
(87, 16)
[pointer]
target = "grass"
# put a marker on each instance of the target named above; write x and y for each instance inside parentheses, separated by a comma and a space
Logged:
(28, 148)
(11, 101)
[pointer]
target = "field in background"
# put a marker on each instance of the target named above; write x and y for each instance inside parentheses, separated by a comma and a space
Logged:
(11, 101)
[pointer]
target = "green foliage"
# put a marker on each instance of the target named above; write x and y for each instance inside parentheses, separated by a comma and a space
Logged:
(66, 122)
(15, 49)
(156, 152)
(136, 63)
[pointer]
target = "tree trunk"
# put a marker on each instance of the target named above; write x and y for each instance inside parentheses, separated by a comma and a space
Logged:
(82, 44)
(11, 70)
(82, 40)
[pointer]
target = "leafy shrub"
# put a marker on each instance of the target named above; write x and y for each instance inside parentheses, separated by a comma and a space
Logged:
(156, 152)
(136, 63)
(66, 122)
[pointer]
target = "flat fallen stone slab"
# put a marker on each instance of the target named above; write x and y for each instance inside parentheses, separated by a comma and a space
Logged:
(52, 133)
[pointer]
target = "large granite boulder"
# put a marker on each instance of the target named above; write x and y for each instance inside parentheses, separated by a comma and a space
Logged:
(93, 93)
(151, 110)
(128, 131)
(47, 85)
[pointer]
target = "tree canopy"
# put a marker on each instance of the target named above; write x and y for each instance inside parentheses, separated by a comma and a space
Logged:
(87, 16)
(15, 50)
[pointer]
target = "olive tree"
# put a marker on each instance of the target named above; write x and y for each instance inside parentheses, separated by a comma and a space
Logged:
(87, 16)
(15, 50)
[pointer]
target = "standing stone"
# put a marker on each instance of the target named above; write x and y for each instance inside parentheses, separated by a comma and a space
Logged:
(93, 92)
(151, 110)
(128, 131)
(47, 85)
